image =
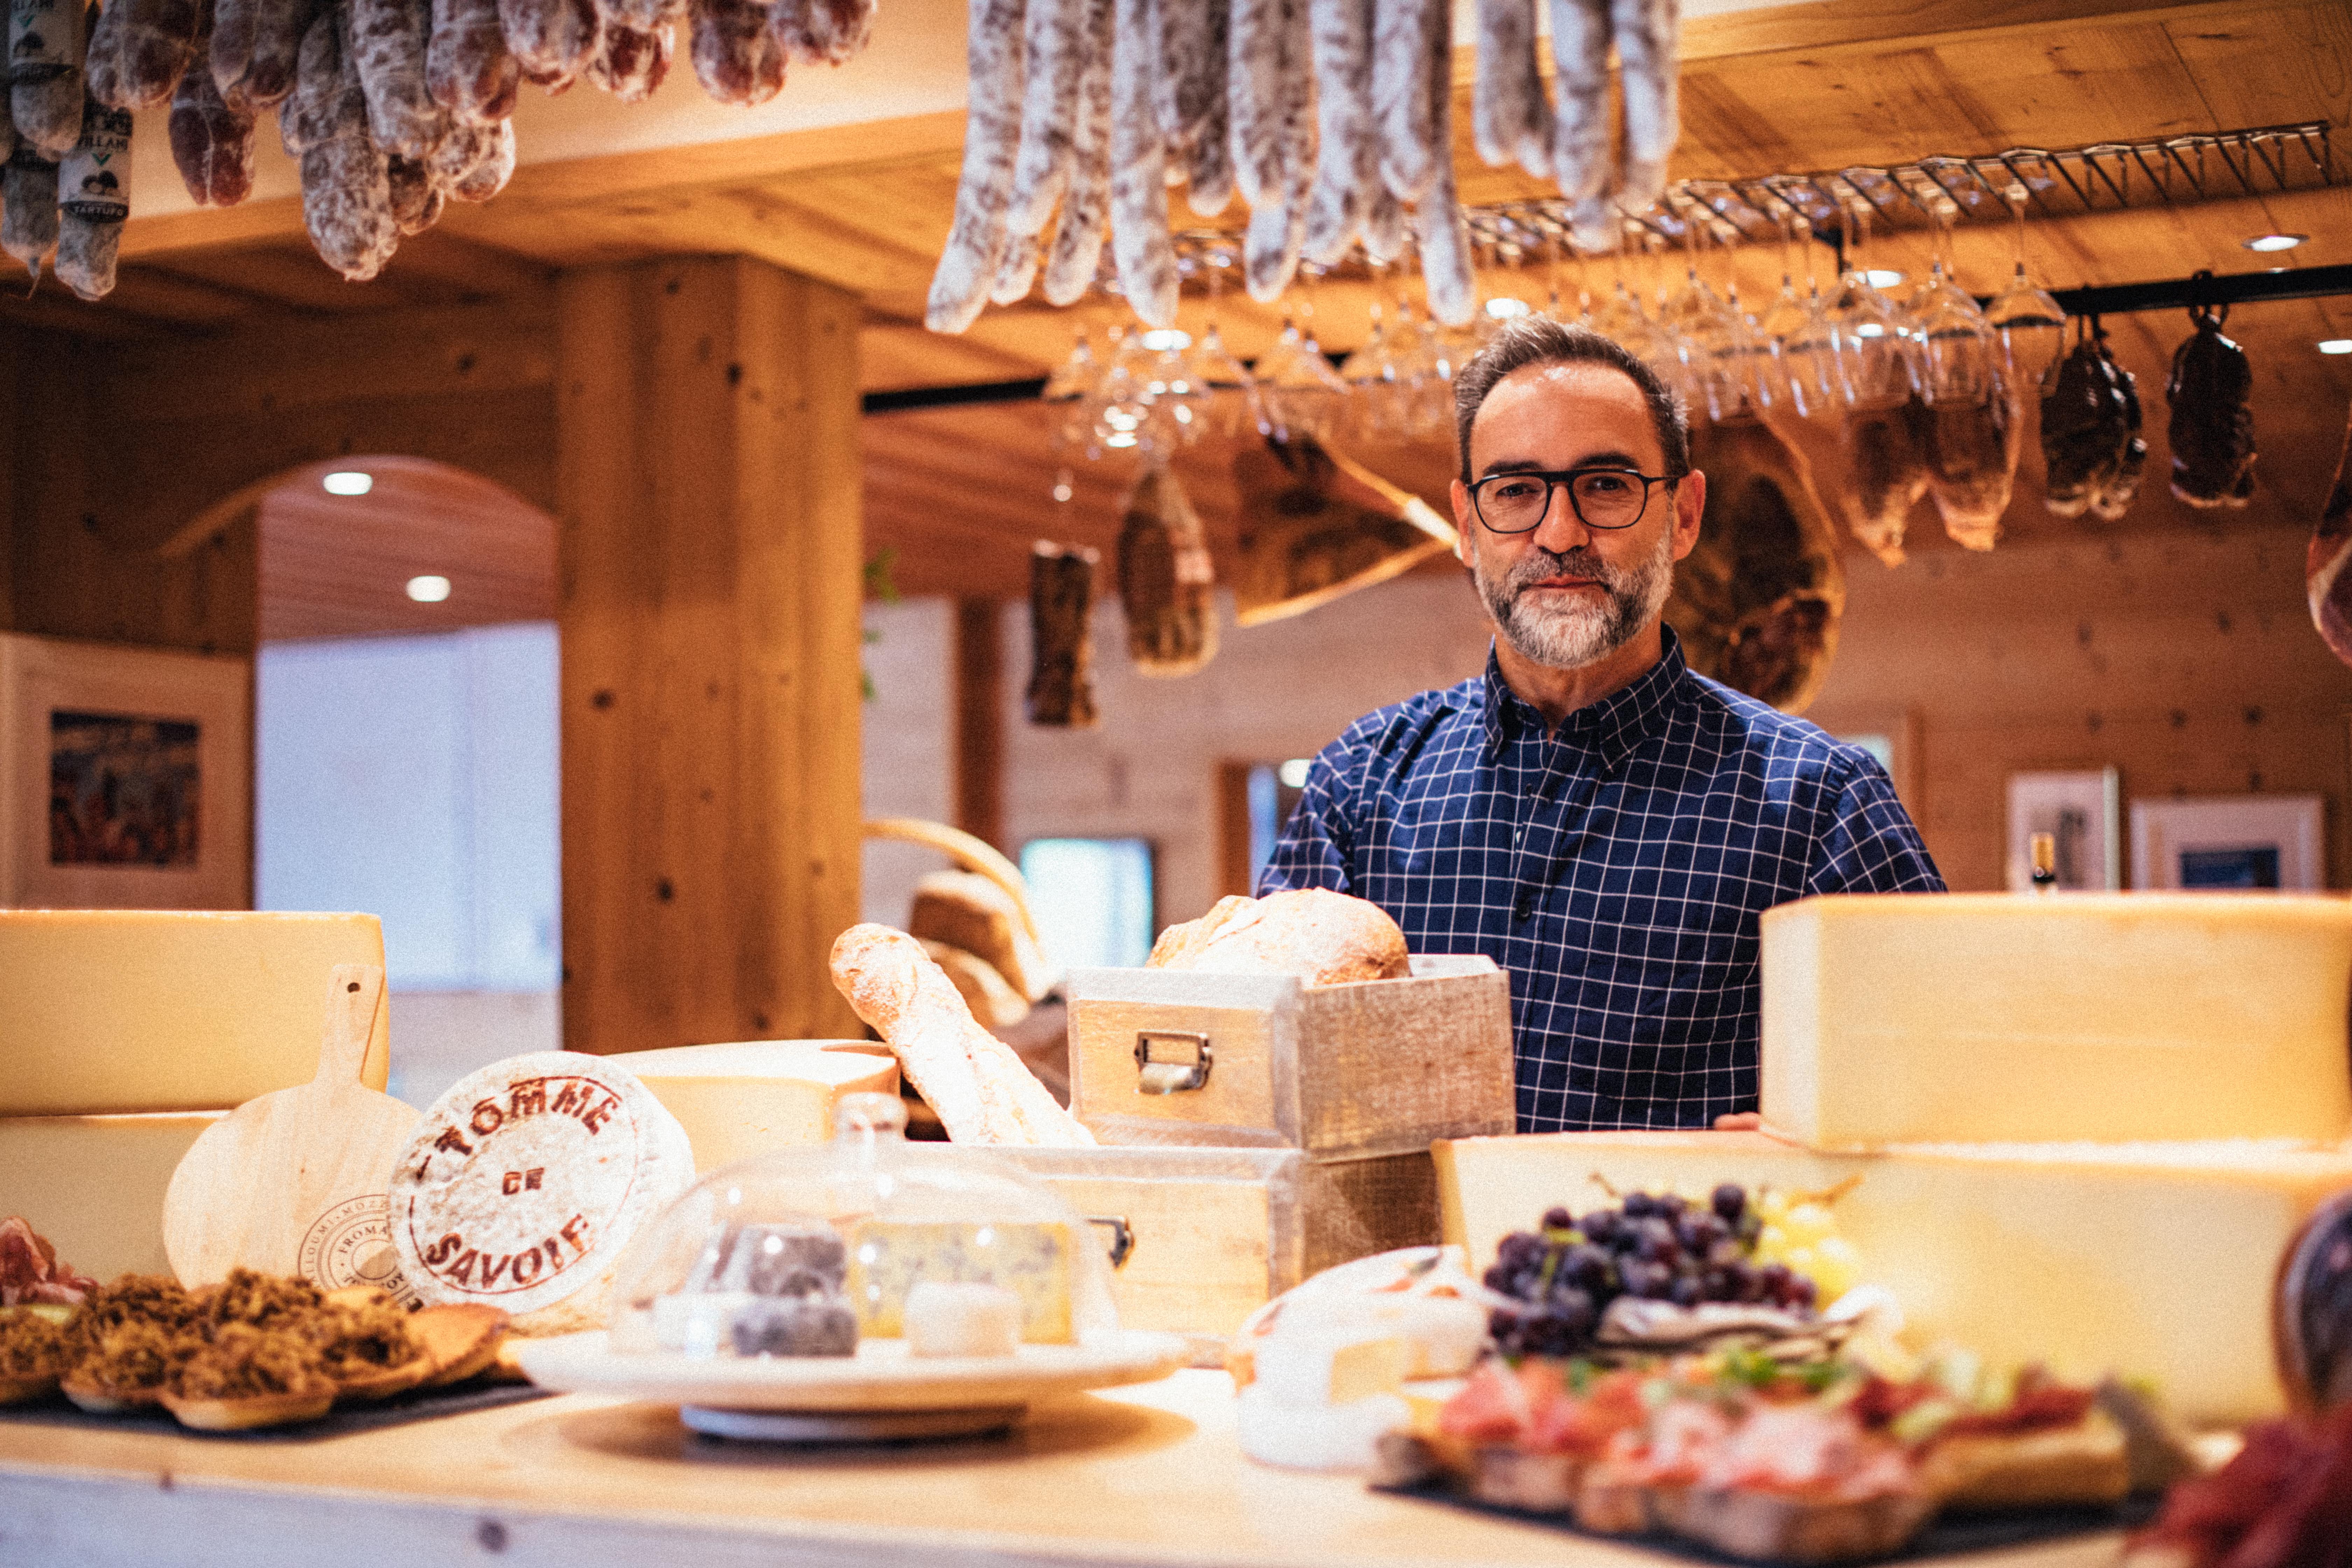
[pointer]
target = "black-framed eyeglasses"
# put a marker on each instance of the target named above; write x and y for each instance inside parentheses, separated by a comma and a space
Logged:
(1601, 498)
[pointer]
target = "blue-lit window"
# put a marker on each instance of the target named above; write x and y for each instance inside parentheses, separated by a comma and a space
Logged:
(1092, 898)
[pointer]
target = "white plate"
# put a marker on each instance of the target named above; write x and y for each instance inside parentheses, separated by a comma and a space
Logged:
(880, 1376)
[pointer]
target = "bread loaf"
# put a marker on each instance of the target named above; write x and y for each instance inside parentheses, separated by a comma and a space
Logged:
(965, 909)
(992, 1001)
(977, 1084)
(1324, 938)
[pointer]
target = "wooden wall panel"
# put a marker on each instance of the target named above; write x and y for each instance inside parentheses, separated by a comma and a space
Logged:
(709, 599)
(980, 720)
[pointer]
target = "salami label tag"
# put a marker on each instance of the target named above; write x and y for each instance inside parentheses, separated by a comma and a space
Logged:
(94, 181)
(44, 39)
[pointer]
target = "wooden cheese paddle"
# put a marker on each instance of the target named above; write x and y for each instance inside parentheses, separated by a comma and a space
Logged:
(294, 1182)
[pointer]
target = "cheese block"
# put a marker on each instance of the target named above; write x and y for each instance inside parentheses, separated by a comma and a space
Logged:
(1901, 1018)
(143, 1010)
(888, 1258)
(1313, 1366)
(2148, 1259)
(526, 1181)
(93, 1185)
(744, 1099)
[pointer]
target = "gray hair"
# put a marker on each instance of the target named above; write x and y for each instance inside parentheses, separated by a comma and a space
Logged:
(1539, 340)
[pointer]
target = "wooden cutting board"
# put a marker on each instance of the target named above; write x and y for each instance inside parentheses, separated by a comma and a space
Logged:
(294, 1182)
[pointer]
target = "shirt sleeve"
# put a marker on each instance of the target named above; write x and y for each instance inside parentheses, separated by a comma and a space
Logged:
(1869, 844)
(1313, 851)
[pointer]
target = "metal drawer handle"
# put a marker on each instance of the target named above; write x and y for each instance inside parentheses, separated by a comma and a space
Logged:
(1122, 1235)
(1159, 1074)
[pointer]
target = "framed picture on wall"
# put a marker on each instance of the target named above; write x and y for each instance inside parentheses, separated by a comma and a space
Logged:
(2244, 841)
(2080, 811)
(126, 777)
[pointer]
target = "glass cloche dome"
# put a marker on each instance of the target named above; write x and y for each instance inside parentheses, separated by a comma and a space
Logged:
(810, 1251)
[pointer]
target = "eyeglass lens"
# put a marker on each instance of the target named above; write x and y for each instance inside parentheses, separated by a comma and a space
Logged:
(1604, 498)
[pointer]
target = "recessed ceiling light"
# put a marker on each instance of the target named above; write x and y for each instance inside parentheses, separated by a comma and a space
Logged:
(428, 590)
(2276, 241)
(1883, 277)
(349, 482)
(2336, 346)
(1159, 339)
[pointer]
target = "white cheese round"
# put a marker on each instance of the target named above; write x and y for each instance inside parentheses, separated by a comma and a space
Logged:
(525, 1182)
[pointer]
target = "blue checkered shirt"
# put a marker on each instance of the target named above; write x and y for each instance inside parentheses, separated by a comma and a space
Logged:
(1613, 869)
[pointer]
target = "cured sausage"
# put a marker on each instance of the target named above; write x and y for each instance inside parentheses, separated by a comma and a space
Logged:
(1140, 245)
(469, 72)
(1077, 253)
(1451, 281)
(256, 48)
(736, 58)
(1579, 53)
(1277, 225)
(1386, 230)
(1054, 48)
(2212, 426)
(640, 16)
(1511, 116)
(1258, 55)
(1209, 157)
(415, 200)
(2326, 578)
(1166, 582)
(1403, 33)
(492, 166)
(826, 32)
(28, 207)
(1016, 272)
(630, 64)
(1061, 691)
(1649, 43)
(93, 201)
(991, 139)
(388, 39)
(552, 40)
(346, 178)
(140, 49)
(212, 142)
(46, 50)
(1346, 163)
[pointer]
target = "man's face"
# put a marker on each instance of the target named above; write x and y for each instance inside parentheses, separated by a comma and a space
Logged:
(1566, 594)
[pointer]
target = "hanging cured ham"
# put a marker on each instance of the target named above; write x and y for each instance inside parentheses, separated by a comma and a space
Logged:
(2213, 429)
(1883, 472)
(1315, 525)
(1757, 602)
(2329, 577)
(1972, 451)
(2092, 452)
(1061, 693)
(1166, 582)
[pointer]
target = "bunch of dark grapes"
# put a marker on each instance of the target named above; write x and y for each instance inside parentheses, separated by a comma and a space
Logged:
(1656, 1246)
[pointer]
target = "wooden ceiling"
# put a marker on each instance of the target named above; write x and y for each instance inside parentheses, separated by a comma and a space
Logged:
(960, 493)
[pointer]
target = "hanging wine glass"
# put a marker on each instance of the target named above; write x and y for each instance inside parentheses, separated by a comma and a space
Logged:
(2031, 325)
(1302, 395)
(1375, 387)
(1957, 345)
(1782, 325)
(1427, 395)
(1812, 356)
(1229, 407)
(1070, 390)
(1738, 361)
(1872, 342)
(1690, 322)
(1121, 405)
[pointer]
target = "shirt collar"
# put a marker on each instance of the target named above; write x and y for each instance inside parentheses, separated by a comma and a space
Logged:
(1611, 725)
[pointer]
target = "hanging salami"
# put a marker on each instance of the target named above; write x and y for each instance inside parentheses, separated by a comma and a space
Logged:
(469, 72)
(736, 58)
(46, 50)
(991, 139)
(1141, 247)
(552, 40)
(346, 179)
(28, 207)
(1077, 251)
(388, 40)
(256, 48)
(1061, 692)
(94, 201)
(1166, 582)
(630, 64)
(139, 49)
(212, 142)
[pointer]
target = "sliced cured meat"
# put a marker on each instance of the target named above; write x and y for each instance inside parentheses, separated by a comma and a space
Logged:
(469, 72)
(991, 139)
(1347, 152)
(1972, 450)
(1649, 45)
(1757, 602)
(1055, 55)
(1883, 473)
(2212, 426)
(1510, 115)
(630, 64)
(212, 142)
(1061, 691)
(1166, 582)
(2326, 577)
(1140, 245)
(1579, 53)
(736, 58)
(1077, 253)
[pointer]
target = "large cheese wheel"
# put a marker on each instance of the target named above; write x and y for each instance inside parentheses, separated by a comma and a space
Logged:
(754, 1095)
(94, 1186)
(2331, 548)
(526, 1181)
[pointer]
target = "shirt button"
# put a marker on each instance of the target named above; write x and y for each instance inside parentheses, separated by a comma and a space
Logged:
(1526, 905)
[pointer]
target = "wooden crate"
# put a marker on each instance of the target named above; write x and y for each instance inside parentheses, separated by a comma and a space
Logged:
(1376, 1068)
(1208, 1234)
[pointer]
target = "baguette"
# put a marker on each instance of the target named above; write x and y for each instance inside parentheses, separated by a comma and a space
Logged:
(982, 1090)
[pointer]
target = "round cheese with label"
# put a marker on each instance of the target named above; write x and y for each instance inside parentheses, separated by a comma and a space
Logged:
(525, 1182)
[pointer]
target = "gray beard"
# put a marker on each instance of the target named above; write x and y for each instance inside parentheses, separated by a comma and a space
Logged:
(1570, 636)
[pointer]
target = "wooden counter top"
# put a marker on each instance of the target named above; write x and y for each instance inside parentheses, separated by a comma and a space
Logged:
(1150, 1475)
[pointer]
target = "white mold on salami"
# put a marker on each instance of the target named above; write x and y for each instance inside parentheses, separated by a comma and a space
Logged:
(1648, 34)
(1076, 252)
(388, 38)
(346, 181)
(736, 58)
(630, 64)
(1209, 160)
(1445, 268)
(93, 201)
(1016, 272)
(46, 50)
(212, 142)
(1579, 52)
(28, 207)
(831, 32)
(1141, 247)
(1347, 154)
(416, 199)
(1257, 53)
(1054, 48)
(552, 40)
(991, 139)
(151, 44)
(1277, 225)
(641, 15)
(1404, 33)
(271, 50)
(1511, 117)
(492, 167)
(1387, 231)
(469, 72)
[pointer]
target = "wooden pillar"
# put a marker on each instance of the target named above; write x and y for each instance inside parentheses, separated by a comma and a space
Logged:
(708, 486)
(979, 721)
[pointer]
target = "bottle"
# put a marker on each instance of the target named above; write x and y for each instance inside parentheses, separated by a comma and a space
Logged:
(2043, 852)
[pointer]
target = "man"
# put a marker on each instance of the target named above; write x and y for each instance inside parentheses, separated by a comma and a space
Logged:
(1603, 823)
